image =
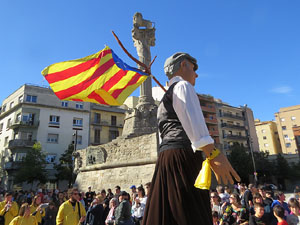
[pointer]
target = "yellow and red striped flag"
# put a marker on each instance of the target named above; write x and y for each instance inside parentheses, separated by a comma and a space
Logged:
(101, 78)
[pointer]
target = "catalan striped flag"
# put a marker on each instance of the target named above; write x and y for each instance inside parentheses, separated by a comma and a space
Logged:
(101, 78)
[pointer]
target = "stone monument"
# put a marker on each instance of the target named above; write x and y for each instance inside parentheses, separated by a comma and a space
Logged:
(129, 159)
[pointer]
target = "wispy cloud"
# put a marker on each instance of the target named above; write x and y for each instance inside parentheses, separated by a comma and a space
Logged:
(282, 90)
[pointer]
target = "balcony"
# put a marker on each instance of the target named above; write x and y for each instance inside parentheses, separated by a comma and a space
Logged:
(214, 133)
(28, 124)
(19, 143)
(105, 123)
(211, 121)
(227, 125)
(208, 109)
(228, 115)
(11, 165)
(235, 137)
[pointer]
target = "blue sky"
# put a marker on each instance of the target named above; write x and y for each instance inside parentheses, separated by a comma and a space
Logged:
(248, 50)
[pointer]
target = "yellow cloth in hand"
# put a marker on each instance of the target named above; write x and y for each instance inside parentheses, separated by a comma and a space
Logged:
(203, 180)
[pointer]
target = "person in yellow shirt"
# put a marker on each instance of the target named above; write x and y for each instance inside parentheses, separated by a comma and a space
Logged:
(8, 208)
(24, 218)
(71, 212)
(35, 209)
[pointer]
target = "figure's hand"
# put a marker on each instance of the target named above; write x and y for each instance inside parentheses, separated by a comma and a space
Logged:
(223, 170)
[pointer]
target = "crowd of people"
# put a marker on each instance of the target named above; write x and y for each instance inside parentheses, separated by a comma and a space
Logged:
(230, 206)
(72, 207)
(254, 205)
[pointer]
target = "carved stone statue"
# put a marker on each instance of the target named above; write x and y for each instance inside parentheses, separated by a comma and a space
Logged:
(143, 35)
(142, 119)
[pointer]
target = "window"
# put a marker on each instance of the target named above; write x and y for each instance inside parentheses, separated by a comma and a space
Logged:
(50, 158)
(52, 138)
(264, 137)
(4, 108)
(20, 98)
(97, 117)
(8, 123)
(288, 145)
(6, 141)
(18, 157)
(31, 98)
(28, 118)
(54, 119)
(77, 122)
(97, 136)
(113, 134)
(11, 105)
(79, 139)
(282, 119)
(286, 136)
(263, 131)
(211, 117)
(113, 120)
(1, 127)
(79, 106)
(293, 118)
(18, 118)
(283, 127)
(64, 104)
(266, 145)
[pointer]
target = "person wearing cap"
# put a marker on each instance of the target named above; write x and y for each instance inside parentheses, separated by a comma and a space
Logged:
(183, 133)
(123, 211)
(133, 191)
(8, 209)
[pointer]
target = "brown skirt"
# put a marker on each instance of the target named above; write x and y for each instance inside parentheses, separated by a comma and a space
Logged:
(173, 199)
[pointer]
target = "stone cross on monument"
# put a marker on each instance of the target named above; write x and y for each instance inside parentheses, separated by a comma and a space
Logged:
(142, 119)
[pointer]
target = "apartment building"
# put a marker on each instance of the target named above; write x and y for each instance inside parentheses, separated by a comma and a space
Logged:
(106, 123)
(236, 125)
(288, 119)
(268, 138)
(208, 108)
(34, 113)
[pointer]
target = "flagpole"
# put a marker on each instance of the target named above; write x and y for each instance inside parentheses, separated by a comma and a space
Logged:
(147, 68)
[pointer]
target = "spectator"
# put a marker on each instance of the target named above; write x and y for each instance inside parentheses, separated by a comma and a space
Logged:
(216, 203)
(36, 210)
(279, 212)
(71, 210)
(221, 192)
(123, 211)
(8, 208)
(259, 217)
(106, 209)
(24, 217)
(89, 196)
(281, 201)
(294, 217)
(138, 207)
(81, 199)
(109, 195)
(95, 212)
(60, 200)
(50, 214)
(234, 212)
(110, 219)
(262, 192)
(147, 188)
(117, 191)
(215, 216)
(133, 191)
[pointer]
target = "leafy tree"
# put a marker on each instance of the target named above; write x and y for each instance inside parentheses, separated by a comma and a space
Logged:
(65, 167)
(32, 167)
(241, 161)
(263, 166)
(282, 168)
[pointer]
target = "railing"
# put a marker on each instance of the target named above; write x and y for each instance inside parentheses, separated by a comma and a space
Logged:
(231, 116)
(211, 121)
(232, 126)
(214, 133)
(20, 143)
(28, 123)
(231, 136)
(208, 109)
(11, 165)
